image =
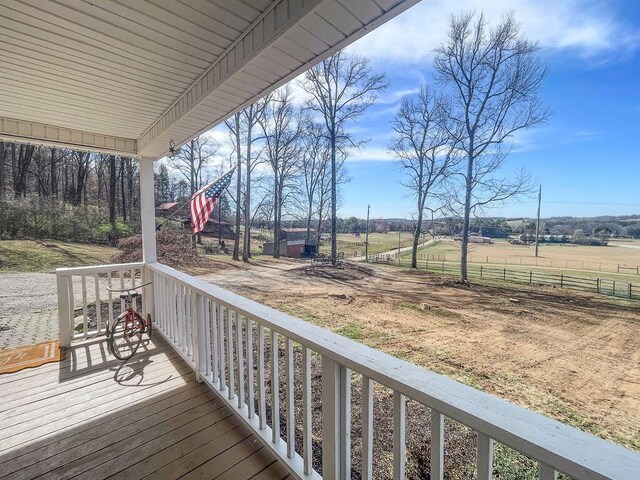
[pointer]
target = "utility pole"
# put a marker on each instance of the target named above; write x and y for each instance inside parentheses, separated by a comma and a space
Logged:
(538, 222)
(366, 237)
(399, 244)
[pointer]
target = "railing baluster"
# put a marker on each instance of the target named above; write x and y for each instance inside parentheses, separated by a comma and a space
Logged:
(240, 356)
(121, 275)
(85, 319)
(181, 334)
(98, 303)
(190, 314)
(132, 274)
(223, 380)
(547, 472)
(230, 364)
(437, 445)
(399, 445)
(110, 298)
(250, 393)
(72, 308)
(485, 457)
(207, 334)
(307, 445)
(262, 410)
(367, 428)
(173, 299)
(214, 342)
(275, 389)
(336, 419)
(291, 428)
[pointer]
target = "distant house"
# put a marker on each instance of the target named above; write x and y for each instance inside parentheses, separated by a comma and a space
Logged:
(479, 239)
(298, 233)
(167, 209)
(474, 239)
(291, 248)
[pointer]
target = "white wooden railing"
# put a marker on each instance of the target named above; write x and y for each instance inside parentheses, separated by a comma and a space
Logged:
(84, 287)
(228, 340)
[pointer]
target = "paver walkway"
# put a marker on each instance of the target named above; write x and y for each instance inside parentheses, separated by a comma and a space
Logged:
(28, 308)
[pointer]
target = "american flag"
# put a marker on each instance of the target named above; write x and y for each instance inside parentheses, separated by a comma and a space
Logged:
(204, 201)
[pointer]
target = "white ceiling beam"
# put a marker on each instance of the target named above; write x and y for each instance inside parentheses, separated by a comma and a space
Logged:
(51, 135)
(274, 22)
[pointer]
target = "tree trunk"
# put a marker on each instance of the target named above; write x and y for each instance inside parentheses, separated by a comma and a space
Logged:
(53, 180)
(276, 219)
(236, 242)
(334, 199)
(122, 190)
(308, 235)
(416, 241)
(465, 226)
(246, 250)
(2, 170)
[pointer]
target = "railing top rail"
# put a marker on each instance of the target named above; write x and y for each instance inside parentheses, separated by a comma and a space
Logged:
(565, 448)
(97, 268)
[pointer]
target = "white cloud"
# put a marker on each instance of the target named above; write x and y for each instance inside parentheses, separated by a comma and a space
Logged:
(591, 30)
(370, 154)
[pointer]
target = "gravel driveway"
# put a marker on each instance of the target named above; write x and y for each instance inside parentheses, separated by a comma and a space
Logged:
(28, 308)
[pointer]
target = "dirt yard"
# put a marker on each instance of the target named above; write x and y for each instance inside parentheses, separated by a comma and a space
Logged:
(572, 356)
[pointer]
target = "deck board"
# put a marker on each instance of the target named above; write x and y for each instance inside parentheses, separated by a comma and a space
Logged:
(87, 418)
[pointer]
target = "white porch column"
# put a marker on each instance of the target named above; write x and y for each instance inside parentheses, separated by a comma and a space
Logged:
(147, 210)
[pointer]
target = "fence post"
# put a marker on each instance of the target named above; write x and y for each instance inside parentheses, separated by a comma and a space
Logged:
(561, 280)
(530, 277)
(504, 274)
(614, 288)
(630, 290)
(597, 285)
(480, 271)
(442, 267)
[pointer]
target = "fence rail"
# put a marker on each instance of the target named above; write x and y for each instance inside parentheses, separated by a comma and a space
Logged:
(604, 286)
(249, 354)
(530, 261)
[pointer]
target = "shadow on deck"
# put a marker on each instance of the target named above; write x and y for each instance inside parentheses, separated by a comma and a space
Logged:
(94, 417)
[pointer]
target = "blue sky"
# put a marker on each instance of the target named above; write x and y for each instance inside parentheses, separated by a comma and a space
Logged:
(585, 157)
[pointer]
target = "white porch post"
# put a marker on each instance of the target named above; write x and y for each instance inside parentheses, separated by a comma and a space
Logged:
(148, 227)
(147, 211)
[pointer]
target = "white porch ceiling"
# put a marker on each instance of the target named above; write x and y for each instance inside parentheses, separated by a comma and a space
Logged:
(128, 76)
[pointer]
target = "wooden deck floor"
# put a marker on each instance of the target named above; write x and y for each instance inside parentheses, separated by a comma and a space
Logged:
(93, 417)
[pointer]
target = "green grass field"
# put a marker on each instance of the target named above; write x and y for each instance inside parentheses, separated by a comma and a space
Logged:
(353, 245)
(46, 256)
(582, 261)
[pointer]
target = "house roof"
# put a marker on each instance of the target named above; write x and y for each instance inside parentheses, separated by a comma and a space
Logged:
(129, 78)
(297, 229)
(167, 206)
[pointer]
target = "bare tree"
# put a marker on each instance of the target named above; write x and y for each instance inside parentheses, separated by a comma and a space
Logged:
(315, 164)
(250, 118)
(282, 129)
(235, 133)
(425, 151)
(494, 78)
(342, 88)
(192, 159)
